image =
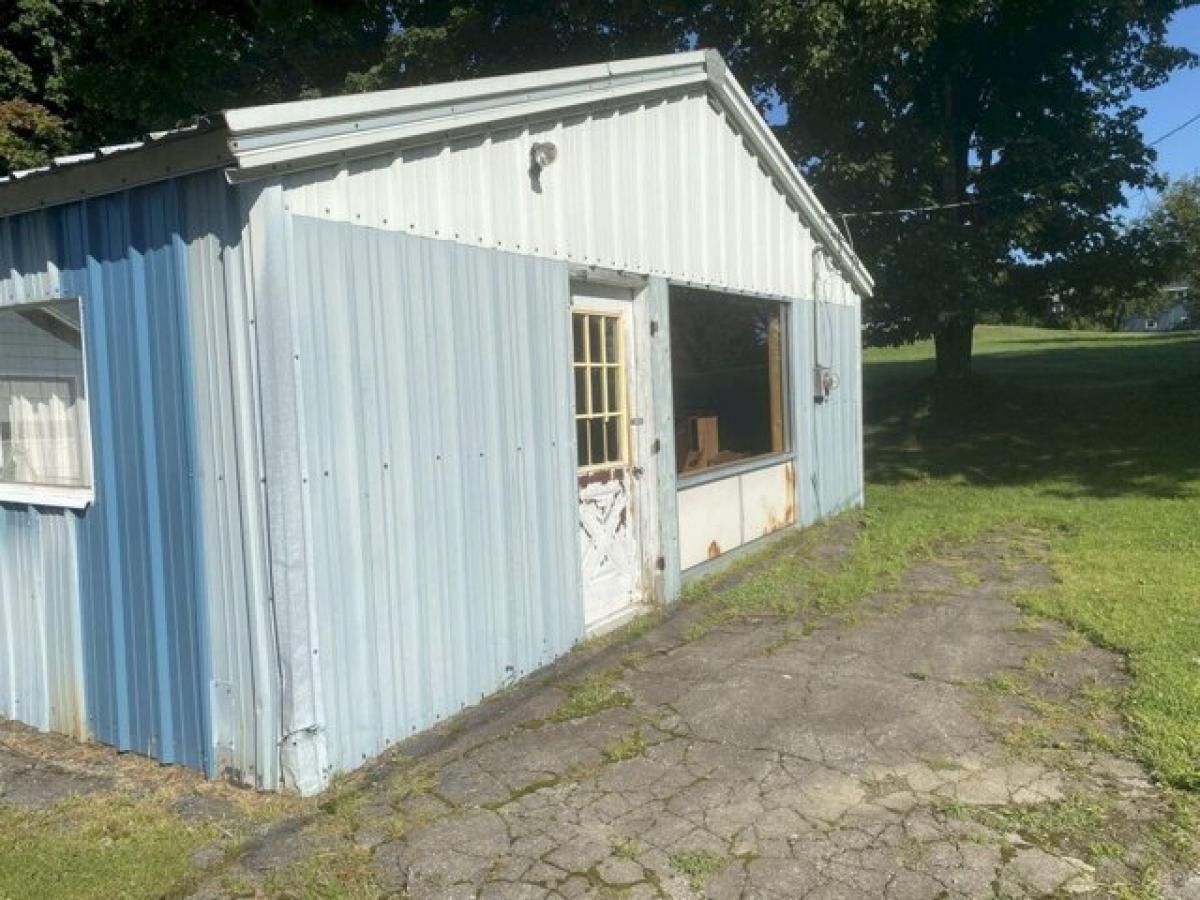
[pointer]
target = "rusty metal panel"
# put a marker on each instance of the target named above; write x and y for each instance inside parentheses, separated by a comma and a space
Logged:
(710, 520)
(768, 501)
(722, 514)
(427, 517)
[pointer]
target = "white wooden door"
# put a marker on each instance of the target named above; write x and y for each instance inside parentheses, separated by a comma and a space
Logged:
(607, 477)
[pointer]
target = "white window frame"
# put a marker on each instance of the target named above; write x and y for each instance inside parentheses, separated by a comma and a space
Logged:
(59, 497)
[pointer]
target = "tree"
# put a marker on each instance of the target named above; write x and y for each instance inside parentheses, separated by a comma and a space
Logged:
(111, 70)
(1012, 117)
(1175, 221)
(476, 38)
(152, 65)
(1122, 274)
(33, 125)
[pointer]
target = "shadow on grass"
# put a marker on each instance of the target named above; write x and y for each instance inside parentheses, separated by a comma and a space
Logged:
(1090, 420)
(1090, 337)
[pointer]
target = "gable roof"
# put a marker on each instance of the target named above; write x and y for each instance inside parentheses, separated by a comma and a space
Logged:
(258, 141)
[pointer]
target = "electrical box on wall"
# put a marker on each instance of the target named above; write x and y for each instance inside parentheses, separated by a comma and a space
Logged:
(825, 382)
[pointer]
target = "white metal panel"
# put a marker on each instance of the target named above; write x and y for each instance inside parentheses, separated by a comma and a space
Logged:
(268, 141)
(768, 501)
(668, 187)
(420, 476)
(710, 521)
(720, 515)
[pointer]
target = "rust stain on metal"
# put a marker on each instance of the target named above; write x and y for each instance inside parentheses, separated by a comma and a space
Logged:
(69, 716)
(714, 550)
(774, 523)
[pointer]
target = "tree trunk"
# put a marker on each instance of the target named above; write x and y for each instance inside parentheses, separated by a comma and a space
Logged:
(1118, 317)
(952, 342)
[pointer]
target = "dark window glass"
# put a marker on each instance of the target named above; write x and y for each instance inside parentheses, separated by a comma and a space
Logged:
(727, 368)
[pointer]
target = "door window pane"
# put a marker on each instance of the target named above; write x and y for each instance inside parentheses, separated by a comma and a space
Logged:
(600, 401)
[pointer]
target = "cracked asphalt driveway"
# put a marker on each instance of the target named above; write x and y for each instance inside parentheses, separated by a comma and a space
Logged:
(933, 743)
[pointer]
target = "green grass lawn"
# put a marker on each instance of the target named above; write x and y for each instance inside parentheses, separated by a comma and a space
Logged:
(1089, 440)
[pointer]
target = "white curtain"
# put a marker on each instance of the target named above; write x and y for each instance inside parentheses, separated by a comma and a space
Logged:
(44, 426)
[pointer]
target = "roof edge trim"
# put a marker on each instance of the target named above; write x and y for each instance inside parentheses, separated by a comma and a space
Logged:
(735, 100)
(110, 170)
(260, 153)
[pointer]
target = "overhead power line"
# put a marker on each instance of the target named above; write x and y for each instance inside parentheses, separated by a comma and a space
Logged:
(1011, 195)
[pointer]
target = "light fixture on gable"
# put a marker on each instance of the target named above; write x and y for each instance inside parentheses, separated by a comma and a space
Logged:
(541, 155)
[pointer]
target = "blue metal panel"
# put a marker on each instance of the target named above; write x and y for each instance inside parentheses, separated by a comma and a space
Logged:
(41, 666)
(143, 617)
(41, 657)
(435, 545)
(829, 442)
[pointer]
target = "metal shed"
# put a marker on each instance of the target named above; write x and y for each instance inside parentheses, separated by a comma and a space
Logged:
(324, 420)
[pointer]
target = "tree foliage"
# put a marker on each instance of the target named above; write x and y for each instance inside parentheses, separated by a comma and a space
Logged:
(1175, 221)
(1114, 278)
(84, 72)
(33, 103)
(153, 65)
(1015, 114)
(474, 38)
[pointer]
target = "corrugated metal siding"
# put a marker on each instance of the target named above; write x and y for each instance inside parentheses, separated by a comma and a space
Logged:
(829, 443)
(143, 618)
(27, 254)
(122, 582)
(245, 718)
(666, 188)
(41, 657)
(433, 490)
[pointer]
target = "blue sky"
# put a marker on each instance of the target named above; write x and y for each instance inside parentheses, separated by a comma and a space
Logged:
(1172, 104)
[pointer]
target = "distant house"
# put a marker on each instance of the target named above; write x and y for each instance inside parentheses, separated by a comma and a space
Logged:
(321, 421)
(1172, 319)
